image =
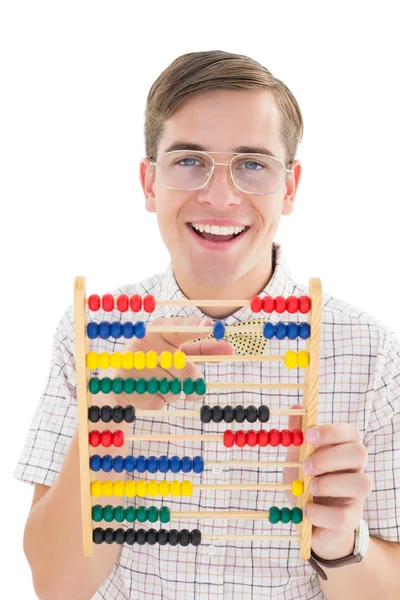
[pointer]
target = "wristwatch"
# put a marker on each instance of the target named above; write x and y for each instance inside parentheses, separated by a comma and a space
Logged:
(361, 544)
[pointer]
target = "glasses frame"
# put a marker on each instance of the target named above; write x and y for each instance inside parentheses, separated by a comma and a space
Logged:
(286, 171)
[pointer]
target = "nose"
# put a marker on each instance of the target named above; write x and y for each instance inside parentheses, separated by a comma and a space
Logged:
(220, 191)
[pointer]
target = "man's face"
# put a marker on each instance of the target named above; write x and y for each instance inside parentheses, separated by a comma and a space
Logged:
(220, 120)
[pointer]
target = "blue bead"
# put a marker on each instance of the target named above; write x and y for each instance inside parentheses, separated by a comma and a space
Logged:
(129, 464)
(304, 330)
(141, 464)
(152, 464)
(128, 330)
(175, 464)
(280, 330)
(198, 464)
(118, 464)
(268, 330)
(92, 330)
(104, 330)
(95, 462)
(163, 464)
(292, 330)
(115, 329)
(140, 329)
(186, 464)
(219, 330)
(107, 463)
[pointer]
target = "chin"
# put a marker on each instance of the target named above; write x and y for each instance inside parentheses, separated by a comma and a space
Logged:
(213, 275)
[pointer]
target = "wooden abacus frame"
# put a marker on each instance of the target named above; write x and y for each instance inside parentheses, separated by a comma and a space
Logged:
(308, 416)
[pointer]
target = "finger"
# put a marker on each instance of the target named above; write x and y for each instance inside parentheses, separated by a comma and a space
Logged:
(208, 347)
(351, 456)
(338, 518)
(289, 474)
(348, 485)
(333, 433)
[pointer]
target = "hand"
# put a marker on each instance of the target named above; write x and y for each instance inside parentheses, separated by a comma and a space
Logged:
(339, 485)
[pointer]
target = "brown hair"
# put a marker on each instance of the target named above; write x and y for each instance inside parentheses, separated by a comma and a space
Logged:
(212, 69)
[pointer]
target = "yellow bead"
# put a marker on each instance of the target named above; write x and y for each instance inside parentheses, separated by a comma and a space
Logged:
(119, 488)
(107, 488)
(179, 360)
(130, 488)
(140, 360)
(187, 488)
(115, 360)
(152, 488)
(297, 487)
(291, 359)
(96, 488)
(141, 488)
(303, 359)
(127, 360)
(163, 488)
(151, 359)
(104, 360)
(92, 360)
(166, 359)
(175, 488)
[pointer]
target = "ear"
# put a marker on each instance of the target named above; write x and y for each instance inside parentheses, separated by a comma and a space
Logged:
(146, 174)
(291, 184)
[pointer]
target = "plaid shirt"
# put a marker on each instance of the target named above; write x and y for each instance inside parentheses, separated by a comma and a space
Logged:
(359, 383)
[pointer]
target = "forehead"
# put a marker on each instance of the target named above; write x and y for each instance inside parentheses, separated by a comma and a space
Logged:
(222, 120)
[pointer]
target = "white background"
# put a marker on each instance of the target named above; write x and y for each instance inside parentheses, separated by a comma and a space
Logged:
(74, 79)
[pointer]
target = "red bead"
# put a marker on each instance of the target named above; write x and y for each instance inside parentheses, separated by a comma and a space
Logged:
(94, 438)
(292, 304)
(229, 438)
(123, 302)
(304, 304)
(240, 438)
(106, 438)
(251, 437)
(94, 302)
(297, 437)
(286, 437)
(274, 437)
(108, 302)
(256, 304)
(263, 438)
(280, 304)
(136, 303)
(118, 438)
(268, 304)
(149, 303)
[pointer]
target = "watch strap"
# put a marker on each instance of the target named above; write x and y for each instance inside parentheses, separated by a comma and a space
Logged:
(334, 563)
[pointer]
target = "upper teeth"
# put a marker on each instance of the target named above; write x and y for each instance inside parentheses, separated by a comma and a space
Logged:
(216, 230)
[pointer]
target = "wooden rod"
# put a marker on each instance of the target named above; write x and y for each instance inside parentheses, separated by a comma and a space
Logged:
(262, 515)
(255, 386)
(148, 437)
(234, 358)
(253, 487)
(257, 330)
(252, 463)
(194, 414)
(250, 537)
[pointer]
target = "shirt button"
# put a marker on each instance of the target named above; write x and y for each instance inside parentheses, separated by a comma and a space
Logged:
(216, 470)
(211, 550)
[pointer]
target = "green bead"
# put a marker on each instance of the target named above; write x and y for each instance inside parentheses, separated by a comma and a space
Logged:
(188, 386)
(175, 386)
(297, 515)
(152, 385)
(94, 385)
(141, 385)
(286, 515)
(108, 513)
(105, 385)
(130, 514)
(274, 514)
(152, 514)
(165, 514)
(141, 514)
(97, 513)
(129, 385)
(200, 386)
(119, 513)
(163, 385)
(118, 385)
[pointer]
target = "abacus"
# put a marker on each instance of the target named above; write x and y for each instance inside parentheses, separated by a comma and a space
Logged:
(87, 386)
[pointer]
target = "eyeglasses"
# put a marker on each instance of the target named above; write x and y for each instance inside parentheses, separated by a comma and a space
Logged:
(191, 170)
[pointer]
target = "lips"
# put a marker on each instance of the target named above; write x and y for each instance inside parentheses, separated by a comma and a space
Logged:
(216, 242)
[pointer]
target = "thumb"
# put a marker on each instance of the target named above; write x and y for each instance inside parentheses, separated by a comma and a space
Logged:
(289, 474)
(207, 346)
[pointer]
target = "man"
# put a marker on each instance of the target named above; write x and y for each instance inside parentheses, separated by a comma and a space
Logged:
(221, 137)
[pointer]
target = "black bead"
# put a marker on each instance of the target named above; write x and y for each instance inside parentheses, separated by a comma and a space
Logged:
(98, 535)
(130, 536)
(240, 413)
(129, 414)
(151, 536)
(162, 537)
(118, 414)
(109, 535)
(120, 535)
(94, 414)
(141, 537)
(106, 413)
(263, 413)
(196, 537)
(217, 413)
(173, 537)
(251, 414)
(184, 537)
(205, 414)
(229, 414)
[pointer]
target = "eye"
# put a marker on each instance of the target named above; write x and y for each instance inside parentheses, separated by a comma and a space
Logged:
(185, 160)
(253, 164)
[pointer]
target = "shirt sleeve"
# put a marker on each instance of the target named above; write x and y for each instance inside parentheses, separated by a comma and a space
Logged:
(55, 420)
(382, 506)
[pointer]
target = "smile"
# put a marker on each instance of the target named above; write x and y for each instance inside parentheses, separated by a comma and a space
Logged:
(215, 236)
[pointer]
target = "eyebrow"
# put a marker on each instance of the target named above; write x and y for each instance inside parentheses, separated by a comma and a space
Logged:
(247, 149)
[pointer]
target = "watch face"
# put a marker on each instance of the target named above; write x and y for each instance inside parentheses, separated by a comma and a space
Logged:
(364, 538)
